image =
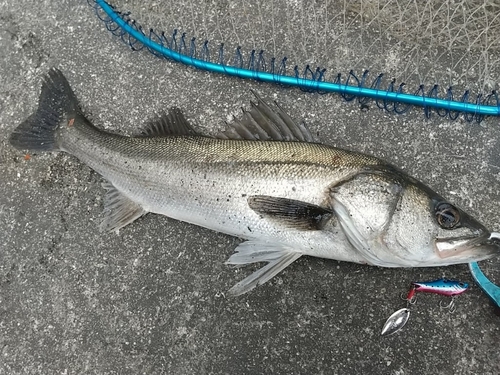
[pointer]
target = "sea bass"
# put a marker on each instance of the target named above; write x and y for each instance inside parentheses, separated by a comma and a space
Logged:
(265, 180)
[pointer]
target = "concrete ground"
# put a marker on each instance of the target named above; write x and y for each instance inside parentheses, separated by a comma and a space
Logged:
(152, 300)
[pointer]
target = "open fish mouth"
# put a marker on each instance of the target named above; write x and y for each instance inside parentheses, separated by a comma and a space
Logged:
(477, 247)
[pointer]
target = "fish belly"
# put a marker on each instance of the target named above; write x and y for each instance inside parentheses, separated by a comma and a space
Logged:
(216, 197)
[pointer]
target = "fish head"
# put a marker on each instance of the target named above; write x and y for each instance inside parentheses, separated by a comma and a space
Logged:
(393, 220)
(434, 232)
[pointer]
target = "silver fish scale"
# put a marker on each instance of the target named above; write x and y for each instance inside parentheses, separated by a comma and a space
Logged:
(207, 181)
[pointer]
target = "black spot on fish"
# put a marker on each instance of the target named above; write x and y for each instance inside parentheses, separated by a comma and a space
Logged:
(249, 229)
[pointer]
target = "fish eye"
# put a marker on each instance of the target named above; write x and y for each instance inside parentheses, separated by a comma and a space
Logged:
(447, 216)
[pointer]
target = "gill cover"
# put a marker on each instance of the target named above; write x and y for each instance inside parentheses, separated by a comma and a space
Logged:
(365, 205)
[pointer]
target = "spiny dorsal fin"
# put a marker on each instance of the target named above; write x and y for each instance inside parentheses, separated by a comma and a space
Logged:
(118, 209)
(290, 212)
(168, 124)
(264, 123)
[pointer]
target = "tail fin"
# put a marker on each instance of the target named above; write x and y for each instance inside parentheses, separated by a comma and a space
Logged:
(57, 104)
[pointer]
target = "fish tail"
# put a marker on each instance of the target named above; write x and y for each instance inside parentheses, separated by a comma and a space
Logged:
(57, 105)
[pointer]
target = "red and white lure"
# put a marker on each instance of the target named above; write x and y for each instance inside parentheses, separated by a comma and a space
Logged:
(443, 287)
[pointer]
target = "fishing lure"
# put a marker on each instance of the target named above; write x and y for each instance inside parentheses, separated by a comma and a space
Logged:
(399, 318)
(391, 97)
(396, 321)
(443, 287)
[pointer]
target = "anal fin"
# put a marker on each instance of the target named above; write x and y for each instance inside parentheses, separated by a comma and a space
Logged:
(277, 256)
(119, 210)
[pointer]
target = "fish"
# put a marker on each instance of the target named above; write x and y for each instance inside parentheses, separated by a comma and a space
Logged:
(264, 179)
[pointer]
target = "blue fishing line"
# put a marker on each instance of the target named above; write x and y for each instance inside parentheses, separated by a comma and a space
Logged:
(391, 99)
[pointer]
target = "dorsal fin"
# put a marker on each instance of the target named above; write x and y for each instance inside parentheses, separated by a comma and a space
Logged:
(264, 123)
(168, 124)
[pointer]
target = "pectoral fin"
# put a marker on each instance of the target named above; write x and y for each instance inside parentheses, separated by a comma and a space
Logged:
(291, 213)
(118, 209)
(279, 258)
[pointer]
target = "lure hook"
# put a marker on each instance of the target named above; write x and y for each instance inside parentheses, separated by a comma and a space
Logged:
(450, 306)
(411, 301)
(411, 296)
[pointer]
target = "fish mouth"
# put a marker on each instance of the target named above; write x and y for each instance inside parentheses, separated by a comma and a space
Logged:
(470, 247)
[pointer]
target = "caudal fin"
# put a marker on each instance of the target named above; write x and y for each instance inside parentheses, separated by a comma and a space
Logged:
(57, 105)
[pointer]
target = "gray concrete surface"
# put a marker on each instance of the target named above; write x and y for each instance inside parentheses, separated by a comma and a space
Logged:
(151, 300)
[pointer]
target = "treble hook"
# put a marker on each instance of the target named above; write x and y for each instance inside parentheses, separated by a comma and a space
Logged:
(450, 306)
(411, 296)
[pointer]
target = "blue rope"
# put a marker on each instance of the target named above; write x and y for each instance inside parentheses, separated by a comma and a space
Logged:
(392, 99)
